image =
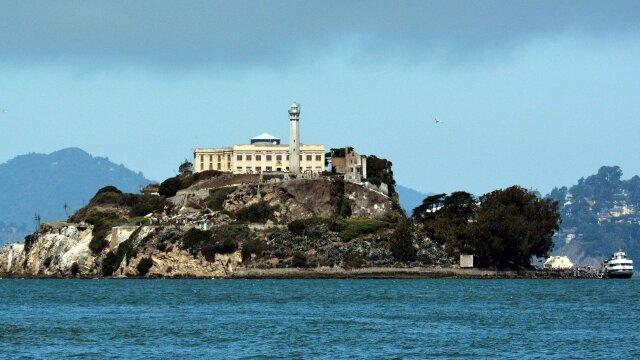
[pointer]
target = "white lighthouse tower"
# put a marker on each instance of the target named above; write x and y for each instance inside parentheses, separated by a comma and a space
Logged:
(294, 139)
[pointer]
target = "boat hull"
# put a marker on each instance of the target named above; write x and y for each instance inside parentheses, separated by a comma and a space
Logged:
(619, 275)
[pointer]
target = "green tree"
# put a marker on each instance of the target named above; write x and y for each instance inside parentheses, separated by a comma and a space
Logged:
(446, 218)
(427, 210)
(512, 226)
(170, 186)
(186, 168)
(144, 266)
(402, 247)
(379, 171)
(460, 206)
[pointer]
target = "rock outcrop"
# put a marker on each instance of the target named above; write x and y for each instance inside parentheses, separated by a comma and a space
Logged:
(195, 236)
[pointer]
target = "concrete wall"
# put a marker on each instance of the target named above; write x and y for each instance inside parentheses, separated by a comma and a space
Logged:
(466, 261)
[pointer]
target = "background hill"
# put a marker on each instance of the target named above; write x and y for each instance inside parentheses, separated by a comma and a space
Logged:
(409, 198)
(40, 183)
(600, 215)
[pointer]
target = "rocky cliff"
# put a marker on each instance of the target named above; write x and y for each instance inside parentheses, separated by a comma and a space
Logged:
(215, 227)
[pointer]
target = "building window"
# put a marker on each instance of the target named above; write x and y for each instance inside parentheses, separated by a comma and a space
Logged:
(239, 168)
(278, 157)
(268, 168)
(239, 157)
(248, 169)
(210, 157)
(309, 157)
(258, 157)
(268, 158)
(300, 157)
(210, 166)
(201, 158)
(287, 157)
(248, 157)
(258, 169)
(219, 158)
(287, 168)
(318, 157)
(201, 166)
(218, 166)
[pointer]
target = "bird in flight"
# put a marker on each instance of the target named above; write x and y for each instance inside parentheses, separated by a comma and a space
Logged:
(437, 121)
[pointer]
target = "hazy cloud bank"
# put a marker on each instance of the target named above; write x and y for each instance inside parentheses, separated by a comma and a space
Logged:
(193, 34)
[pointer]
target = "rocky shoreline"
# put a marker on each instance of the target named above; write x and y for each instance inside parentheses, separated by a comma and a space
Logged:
(399, 273)
(341, 273)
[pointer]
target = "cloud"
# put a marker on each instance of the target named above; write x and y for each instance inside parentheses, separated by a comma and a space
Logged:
(188, 34)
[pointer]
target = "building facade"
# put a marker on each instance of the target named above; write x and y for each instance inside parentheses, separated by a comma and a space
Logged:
(348, 162)
(264, 153)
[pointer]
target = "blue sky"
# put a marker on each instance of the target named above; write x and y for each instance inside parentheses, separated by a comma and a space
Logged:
(535, 93)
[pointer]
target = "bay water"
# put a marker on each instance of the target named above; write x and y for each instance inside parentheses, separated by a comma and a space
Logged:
(445, 318)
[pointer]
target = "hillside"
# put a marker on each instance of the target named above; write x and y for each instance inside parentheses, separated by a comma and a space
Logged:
(214, 224)
(43, 183)
(600, 215)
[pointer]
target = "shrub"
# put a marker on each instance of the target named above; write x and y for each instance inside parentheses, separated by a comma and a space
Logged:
(144, 266)
(209, 251)
(379, 171)
(124, 251)
(110, 263)
(29, 240)
(352, 261)
(194, 238)
(338, 225)
(218, 196)
(297, 226)
(102, 223)
(345, 208)
(354, 227)
(146, 204)
(226, 246)
(219, 240)
(245, 253)
(342, 205)
(299, 260)
(97, 218)
(74, 269)
(402, 247)
(228, 237)
(97, 244)
(256, 213)
(170, 186)
(301, 225)
(208, 174)
(106, 198)
(253, 246)
(109, 189)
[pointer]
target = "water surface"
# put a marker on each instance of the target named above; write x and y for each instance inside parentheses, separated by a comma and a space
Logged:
(320, 318)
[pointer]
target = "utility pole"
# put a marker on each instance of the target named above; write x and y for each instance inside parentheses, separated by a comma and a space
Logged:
(37, 221)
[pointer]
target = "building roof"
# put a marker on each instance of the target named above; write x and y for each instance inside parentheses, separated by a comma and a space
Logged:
(265, 136)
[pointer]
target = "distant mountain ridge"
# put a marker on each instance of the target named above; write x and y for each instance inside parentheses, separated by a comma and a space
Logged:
(44, 183)
(410, 198)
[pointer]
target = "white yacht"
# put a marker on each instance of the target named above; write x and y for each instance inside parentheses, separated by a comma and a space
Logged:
(619, 266)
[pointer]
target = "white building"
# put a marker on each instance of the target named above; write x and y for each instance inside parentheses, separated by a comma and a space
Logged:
(264, 153)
